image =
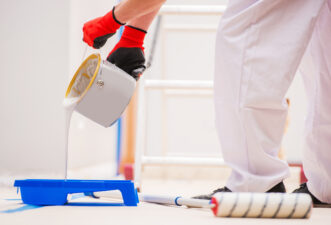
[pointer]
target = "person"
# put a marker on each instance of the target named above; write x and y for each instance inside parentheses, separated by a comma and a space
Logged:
(259, 47)
(136, 17)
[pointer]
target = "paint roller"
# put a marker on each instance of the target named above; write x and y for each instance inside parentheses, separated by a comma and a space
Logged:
(236, 204)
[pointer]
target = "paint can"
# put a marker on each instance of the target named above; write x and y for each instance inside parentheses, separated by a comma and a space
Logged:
(102, 90)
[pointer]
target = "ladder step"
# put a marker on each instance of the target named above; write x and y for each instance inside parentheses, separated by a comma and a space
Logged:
(178, 84)
(190, 161)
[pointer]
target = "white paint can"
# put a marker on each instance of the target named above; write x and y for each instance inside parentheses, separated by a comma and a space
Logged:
(103, 90)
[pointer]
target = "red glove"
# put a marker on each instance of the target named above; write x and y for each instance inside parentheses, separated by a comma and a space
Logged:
(97, 31)
(128, 54)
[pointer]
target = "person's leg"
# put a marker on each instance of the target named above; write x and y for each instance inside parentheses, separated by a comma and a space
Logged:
(258, 48)
(316, 71)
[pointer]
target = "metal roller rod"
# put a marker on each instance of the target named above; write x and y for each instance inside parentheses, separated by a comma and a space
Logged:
(236, 204)
(159, 199)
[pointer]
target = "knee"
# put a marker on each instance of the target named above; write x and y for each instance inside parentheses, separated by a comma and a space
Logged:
(263, 102)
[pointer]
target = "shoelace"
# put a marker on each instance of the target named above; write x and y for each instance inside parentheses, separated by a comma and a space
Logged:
(223, 189)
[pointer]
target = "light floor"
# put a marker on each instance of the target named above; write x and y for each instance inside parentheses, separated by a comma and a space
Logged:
(145, 213)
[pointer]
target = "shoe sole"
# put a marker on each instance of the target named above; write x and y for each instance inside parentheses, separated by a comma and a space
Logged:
(322, 205)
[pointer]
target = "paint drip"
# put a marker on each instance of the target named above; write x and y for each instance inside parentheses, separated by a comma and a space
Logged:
(69, 105)
(76, 92)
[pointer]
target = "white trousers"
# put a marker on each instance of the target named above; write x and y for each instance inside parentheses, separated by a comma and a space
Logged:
(259, 46)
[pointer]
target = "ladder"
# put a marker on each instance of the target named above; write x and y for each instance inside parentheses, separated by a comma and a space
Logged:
(146, 85)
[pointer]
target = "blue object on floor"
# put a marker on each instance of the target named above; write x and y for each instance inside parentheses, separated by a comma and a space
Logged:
(55, 192)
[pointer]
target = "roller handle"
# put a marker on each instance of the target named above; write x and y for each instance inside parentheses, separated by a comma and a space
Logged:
(179, 201)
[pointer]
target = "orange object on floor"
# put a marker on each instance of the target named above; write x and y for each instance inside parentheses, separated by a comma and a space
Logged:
(129, 134)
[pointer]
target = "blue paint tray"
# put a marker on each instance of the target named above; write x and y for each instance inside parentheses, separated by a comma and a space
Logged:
(55, 192)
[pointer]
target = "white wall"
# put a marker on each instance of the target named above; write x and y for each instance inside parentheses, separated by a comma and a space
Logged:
(33, 71)
(41, 47)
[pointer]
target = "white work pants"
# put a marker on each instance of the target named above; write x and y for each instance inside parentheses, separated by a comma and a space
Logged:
(259, 46)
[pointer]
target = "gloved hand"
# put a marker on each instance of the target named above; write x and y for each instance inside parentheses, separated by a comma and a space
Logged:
(131, 60)
(97, 31)
(128, 54)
